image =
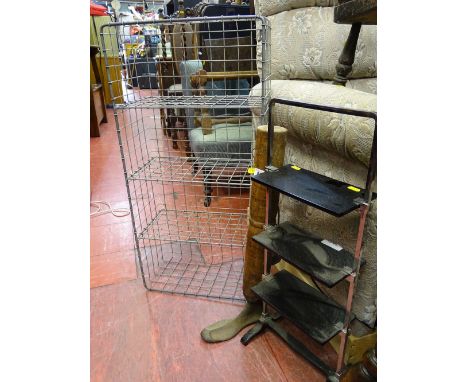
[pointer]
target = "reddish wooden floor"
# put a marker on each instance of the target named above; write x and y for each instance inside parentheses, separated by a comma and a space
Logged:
(139, 336)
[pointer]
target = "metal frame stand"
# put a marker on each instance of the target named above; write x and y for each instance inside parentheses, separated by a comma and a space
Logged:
(266, 320)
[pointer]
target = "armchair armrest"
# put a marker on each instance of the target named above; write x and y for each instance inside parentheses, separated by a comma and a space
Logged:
(202, 76)
(198, 82)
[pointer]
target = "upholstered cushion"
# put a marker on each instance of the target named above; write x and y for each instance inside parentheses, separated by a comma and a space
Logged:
(306, 44)
(367, 85)
(233, 141)
(271, 7)
(350, 137)
(175, 89)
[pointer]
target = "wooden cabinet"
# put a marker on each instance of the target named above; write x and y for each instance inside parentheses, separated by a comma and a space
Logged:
(97, 103)
(97, 109)
(113, 60)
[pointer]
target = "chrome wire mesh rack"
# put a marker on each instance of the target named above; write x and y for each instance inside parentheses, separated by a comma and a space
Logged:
(181, 90)
(216, 102)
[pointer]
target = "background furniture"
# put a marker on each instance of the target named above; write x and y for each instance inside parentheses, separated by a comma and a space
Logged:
(98, 107)
(357, 13)
(166, 69)
(173, 5)
(305, 46)
(180, 40)
(113, 59)
(223, 134)
(142, 71)
(226, 69)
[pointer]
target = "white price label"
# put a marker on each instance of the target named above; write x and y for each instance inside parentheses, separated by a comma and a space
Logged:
(332, 245)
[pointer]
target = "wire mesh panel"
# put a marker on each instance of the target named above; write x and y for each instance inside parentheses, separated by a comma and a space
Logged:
(183, 111)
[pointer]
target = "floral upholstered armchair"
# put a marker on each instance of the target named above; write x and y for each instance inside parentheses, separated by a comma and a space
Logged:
(305, 47)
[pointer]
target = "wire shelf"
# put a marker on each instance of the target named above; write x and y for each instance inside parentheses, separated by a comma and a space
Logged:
(213, 102)
(220, 172)
(214, 228)
(186, 272)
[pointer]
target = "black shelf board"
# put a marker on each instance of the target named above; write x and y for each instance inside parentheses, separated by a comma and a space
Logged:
(301, 349)
(313, 312)
(308, 253)
(327, 194)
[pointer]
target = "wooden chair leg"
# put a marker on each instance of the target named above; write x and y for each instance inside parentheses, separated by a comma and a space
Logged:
(172, 130)
(208, 190)
(104, 111)
(163, 120)
(183, 138)
(346, 60)
(176, 139)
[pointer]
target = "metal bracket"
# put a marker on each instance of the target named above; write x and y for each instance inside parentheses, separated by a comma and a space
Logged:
(269, 228)
(261, 36)
(360, 202)
(271, 168)
(333, 378)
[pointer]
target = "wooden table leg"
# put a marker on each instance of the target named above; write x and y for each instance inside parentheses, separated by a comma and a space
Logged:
(346, 60)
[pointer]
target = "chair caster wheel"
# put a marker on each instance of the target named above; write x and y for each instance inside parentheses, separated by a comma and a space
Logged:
(207, 201)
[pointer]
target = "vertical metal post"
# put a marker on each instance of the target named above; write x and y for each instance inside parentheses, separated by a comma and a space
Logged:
(266, 271)
(270, 132)
(122, 157)
(363, 210)
(263, 32)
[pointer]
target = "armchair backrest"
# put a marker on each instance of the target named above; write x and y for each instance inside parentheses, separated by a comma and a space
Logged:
(186, 69)
(232, 59)
(306, 43)
(272, 7)
(229, 54)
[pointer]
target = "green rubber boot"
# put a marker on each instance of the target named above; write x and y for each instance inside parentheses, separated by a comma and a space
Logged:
(226, 329)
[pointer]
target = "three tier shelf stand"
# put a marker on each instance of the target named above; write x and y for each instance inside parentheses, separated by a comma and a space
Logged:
(316, 314)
